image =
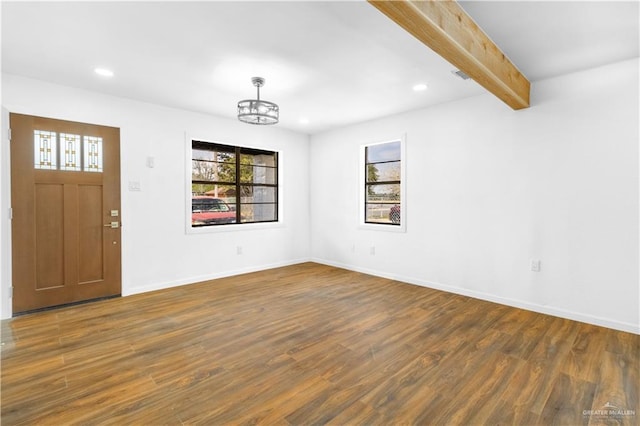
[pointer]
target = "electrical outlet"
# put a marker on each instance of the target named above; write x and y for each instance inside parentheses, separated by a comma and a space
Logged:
(239, 250)
(535, 265)
(372, 250)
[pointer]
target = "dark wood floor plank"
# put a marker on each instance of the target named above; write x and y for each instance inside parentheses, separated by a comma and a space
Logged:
(484, 391)
(311, 344)
(583, 360)
(545, 364)
(505, 413)
(567, 402)
(617, 391)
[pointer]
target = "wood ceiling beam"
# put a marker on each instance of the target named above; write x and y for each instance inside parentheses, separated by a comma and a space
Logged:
(447, 29)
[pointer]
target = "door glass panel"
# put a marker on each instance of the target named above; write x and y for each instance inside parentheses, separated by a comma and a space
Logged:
(45, 153)
(70, 152)
(92, 154)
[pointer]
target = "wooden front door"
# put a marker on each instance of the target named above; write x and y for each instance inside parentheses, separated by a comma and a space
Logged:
(65, 196)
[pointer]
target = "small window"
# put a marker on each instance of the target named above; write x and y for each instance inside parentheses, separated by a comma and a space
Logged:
(383, 183)
(232, 185)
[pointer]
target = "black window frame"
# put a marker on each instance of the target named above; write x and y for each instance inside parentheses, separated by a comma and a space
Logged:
(237, 183)
(371, 184)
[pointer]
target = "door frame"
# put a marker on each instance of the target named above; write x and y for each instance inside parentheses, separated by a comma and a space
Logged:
(6, 276)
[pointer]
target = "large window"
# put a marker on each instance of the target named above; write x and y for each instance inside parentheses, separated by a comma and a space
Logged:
(231, 185)
(383, 183)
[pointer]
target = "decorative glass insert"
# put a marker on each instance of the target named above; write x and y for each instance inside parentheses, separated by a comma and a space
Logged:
(92, 154)
(70, 152)
(45, 152)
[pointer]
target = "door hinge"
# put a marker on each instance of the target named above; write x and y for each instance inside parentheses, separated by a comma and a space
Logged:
(10, 292)
(10, 213)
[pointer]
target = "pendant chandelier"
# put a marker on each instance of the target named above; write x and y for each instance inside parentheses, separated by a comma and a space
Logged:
(256, 111)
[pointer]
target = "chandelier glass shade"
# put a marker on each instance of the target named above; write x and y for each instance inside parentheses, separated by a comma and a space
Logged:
(257, 111)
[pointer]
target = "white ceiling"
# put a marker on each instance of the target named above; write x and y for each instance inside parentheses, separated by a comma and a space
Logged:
(333, 63)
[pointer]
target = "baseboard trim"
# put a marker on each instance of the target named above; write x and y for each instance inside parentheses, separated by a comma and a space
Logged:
(208, 277)
(548, 310)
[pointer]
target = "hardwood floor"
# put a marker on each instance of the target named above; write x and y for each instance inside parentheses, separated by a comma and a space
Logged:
(311, 344)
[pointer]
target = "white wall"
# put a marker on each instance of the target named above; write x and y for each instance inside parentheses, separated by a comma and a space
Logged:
(489, 188)
(156, 250)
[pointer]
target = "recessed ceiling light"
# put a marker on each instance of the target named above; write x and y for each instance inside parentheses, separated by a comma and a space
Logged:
(420, 87)
(104, 72)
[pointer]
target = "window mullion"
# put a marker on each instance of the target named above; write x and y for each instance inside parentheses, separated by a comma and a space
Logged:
(238, 186)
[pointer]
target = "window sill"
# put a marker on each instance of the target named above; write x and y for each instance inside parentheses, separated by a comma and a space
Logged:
(233, 227)
(382, 227)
